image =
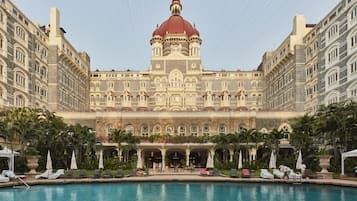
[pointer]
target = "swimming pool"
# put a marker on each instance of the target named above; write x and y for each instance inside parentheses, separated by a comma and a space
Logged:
(180, 192)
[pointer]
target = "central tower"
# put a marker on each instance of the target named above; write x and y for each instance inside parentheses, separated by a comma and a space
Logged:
(176, 67)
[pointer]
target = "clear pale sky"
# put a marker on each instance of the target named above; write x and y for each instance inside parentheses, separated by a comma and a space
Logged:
(235, 33)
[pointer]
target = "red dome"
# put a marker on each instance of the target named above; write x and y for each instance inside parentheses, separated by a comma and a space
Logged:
(176, 25)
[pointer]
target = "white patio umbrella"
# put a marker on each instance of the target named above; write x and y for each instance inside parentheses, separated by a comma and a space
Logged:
(209, 164)
(73, 162)
(299, 161)
(49, 161)
(240, 164)
(139, 164)
(101, 165)
(272, 161)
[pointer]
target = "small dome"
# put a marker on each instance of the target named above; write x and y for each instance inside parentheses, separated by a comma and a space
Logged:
(176, 25)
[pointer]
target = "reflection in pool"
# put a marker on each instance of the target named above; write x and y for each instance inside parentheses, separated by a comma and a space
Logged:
(180, 192)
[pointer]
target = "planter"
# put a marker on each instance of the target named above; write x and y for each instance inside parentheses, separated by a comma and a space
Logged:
(325, 163)
(32, 164)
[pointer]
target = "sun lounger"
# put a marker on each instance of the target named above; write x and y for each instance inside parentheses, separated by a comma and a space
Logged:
(82, 174)
(69, 174)
(309, 174)
(233, 173)
(56, 175)
(132, 173)
(10, 174)
(278, 174)
(265, 174)
(108, 174)
(96, 174)
(44, 175)
(293, 175)
(203, 172)
(3, 178)
(245, 173)
(119, 174)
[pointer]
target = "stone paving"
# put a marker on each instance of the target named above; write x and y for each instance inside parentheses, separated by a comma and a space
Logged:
(183, 178)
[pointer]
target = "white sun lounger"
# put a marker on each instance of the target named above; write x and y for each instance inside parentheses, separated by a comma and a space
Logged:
(293, 175)
(44, 175)
(4, 179)
(277, 173)
(265, 174)
(56, 175)
(10, 174)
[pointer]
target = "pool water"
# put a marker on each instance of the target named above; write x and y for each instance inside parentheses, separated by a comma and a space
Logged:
(180, 192)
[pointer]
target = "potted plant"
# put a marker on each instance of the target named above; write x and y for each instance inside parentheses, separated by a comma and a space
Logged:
(32, 156)
(325, 156)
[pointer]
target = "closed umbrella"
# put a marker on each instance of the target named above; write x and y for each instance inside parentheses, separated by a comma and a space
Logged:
(299, 161)
(209, 164)
(240, 164)
(272, 161)
(139, 164)
(101, 165)
(73, 162)
(49, 161)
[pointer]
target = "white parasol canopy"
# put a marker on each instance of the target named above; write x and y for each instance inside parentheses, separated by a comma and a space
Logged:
(240, 164)
(209, 162)
(101, 165)
(299, 161)
(73, 162)
(272, 161)
(49, 161)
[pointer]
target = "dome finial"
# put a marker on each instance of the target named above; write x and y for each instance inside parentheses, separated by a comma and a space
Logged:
(176, 7)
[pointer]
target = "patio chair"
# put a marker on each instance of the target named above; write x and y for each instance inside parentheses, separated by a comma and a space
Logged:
(132, 173)
(56, 175)
(69, 174)
(278, 174)
(294, 175)
(233, 173)
(3, 178)
(108, 174)
(309, 174)
(44, 175)
(265, 174)
(203, 172)
(10, 174)
(96, 174)
(82, 174)
(216, 172)
(245, 173)
(119, 174)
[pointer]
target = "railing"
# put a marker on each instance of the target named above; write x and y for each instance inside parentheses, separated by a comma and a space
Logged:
(24, 183)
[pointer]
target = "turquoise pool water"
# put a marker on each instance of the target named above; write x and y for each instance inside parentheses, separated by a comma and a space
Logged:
(180, 192)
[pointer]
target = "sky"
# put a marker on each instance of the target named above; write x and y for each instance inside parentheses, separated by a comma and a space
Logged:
(235, 33)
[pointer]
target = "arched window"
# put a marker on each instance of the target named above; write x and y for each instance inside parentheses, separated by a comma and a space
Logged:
(20, 101)
(332, 78)
(181, 130)
(332, 32)
(144, 130)
(3, 69)
(20, 55)
(43, 72)
(352, 16)
(206, 129)
(222, 129)
(157, 130)
(20, 32)
(194, 130)
(332, 55)
(176, 79)
(332, 97)
(129, 129)
(20, 79)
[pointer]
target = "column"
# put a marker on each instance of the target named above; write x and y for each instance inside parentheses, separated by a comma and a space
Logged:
(120, 154)
(188, 151)
(139, 164)
(231, 153)
(163, 155)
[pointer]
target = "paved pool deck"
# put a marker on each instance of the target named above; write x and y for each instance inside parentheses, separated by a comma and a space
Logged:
(184, 178)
